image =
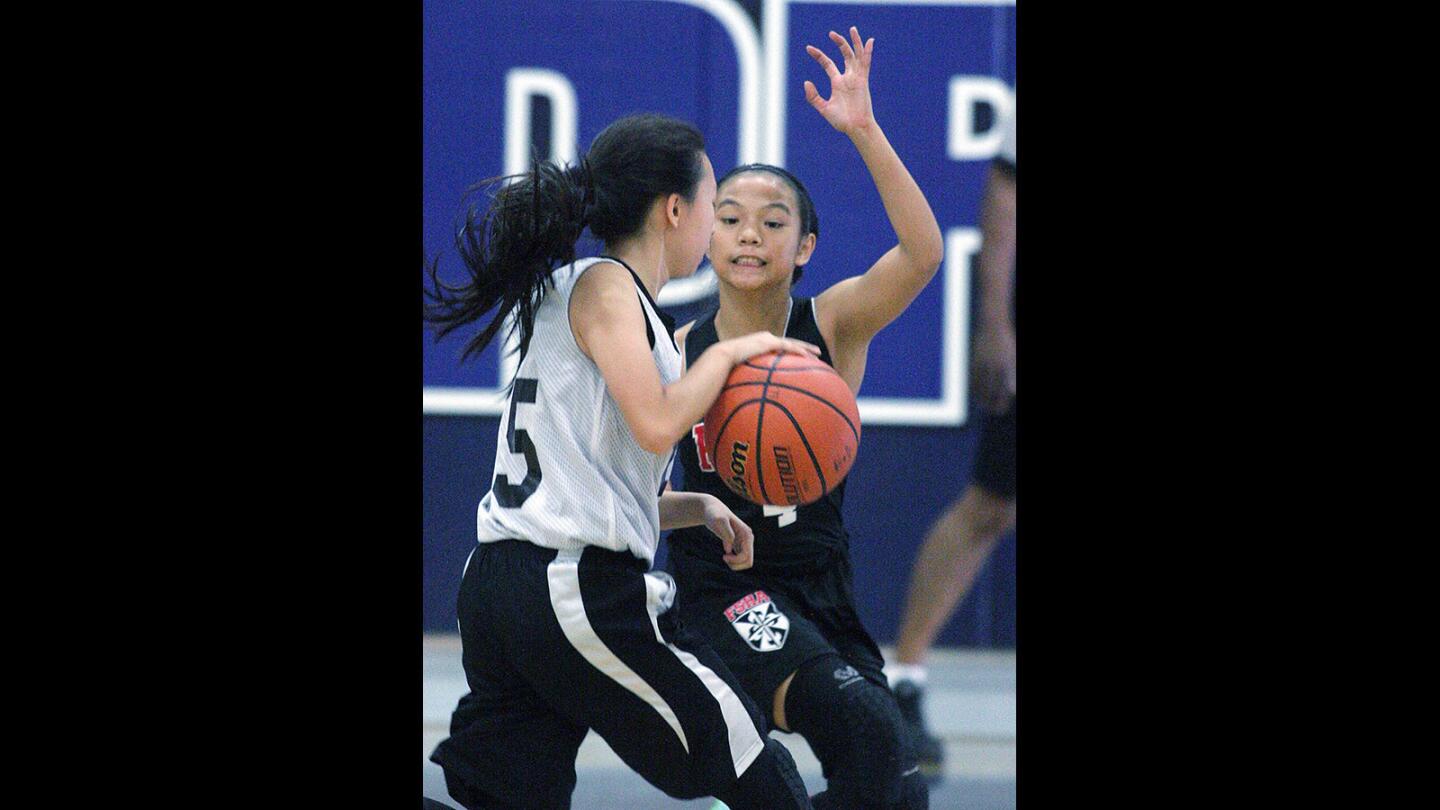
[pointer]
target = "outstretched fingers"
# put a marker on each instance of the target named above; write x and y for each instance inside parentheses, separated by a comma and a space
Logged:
(812, 95)
(845, 49)
(859, 46)
(845, 89)
(825, 62)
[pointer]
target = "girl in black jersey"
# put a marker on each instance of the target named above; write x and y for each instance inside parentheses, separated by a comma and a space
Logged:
(564, 629)
(787, 626)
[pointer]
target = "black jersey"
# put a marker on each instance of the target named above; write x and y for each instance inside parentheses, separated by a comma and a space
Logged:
(788, 540)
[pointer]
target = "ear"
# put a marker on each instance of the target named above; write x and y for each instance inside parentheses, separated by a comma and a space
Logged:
(672, 210)
(807, 247)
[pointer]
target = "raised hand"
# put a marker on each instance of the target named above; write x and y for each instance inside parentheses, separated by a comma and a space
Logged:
(848, 108)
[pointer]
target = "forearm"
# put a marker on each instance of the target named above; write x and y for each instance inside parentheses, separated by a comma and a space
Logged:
(905, 204)
(681, 509)
(660, 415)
(996, 262)
(685, 401)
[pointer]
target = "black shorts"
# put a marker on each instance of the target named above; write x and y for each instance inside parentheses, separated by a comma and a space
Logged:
(556, 643)
(765, 627)
(995, 460)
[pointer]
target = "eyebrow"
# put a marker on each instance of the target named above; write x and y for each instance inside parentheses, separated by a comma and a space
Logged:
(780, 205)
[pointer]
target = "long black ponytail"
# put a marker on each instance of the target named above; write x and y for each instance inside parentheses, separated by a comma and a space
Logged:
(532, 224)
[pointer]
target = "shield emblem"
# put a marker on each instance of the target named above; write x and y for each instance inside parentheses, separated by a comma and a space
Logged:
(763, 627)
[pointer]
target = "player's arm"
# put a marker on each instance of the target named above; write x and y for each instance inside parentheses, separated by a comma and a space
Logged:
(681, 509)
(857, 308)
(609, 327)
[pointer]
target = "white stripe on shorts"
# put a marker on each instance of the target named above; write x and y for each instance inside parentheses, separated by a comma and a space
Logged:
(745, 741)
(570, 611)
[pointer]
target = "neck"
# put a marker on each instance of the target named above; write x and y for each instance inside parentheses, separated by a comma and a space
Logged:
(646, 256)
(745, 311)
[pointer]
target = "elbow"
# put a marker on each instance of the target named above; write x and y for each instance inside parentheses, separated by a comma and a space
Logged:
(928, 256)
(655, 439)
(931, 261)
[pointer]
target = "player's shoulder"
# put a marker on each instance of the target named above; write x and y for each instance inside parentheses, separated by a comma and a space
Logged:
(604, 271)
(603, 280)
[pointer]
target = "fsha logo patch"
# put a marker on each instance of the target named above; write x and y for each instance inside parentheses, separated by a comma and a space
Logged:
(759, 622)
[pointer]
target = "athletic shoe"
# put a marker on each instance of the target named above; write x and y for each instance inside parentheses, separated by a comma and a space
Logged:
(928, 749)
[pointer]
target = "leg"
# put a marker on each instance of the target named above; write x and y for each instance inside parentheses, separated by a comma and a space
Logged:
(659, 695)
(953, 552)
(771, 775)
(508, 746)
(854, 727)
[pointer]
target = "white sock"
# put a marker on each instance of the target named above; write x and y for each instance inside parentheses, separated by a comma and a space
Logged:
(914, 673)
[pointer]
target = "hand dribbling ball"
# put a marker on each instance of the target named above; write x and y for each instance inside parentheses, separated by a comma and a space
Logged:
(784, 430)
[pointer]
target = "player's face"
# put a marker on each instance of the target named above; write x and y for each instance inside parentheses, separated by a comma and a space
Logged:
(696, 224)
(757, 237)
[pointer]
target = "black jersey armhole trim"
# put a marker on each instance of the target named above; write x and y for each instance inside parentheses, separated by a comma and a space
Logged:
(706, 321)
(664, 318)
(797, 312)
(802, 308)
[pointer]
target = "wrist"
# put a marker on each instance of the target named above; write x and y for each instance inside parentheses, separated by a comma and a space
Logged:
(736, 351)
(865, 132)
(729, 352)
(706, 507)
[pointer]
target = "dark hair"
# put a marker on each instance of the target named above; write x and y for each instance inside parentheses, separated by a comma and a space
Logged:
(532, 224)
(809, 220)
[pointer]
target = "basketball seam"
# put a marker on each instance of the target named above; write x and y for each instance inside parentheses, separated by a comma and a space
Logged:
(810, 394)
(759, 425)
(799, 431)
(733, 412)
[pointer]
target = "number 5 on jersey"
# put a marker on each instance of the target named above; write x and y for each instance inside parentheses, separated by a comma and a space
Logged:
(508, 494)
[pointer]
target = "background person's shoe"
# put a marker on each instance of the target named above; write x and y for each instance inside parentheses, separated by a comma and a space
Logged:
(928, 749)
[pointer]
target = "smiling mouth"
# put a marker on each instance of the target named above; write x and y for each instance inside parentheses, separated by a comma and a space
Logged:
(748, 261)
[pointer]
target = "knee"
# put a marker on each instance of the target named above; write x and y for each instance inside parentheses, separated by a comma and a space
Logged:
(771, 781)
(880, 747)
(707, 775)
(855, 728)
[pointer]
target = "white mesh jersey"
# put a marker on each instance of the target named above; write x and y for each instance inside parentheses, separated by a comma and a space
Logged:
(568, 471)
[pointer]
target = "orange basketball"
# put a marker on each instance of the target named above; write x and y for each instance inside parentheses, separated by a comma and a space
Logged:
(784, 430)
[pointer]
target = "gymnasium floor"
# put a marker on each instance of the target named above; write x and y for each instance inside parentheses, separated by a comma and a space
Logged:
(970, 704)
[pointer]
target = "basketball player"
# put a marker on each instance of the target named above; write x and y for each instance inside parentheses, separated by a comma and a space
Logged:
(563, 627)
(960, 541)
(787, 627)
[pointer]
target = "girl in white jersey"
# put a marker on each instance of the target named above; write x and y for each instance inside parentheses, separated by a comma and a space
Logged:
(563, 626)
